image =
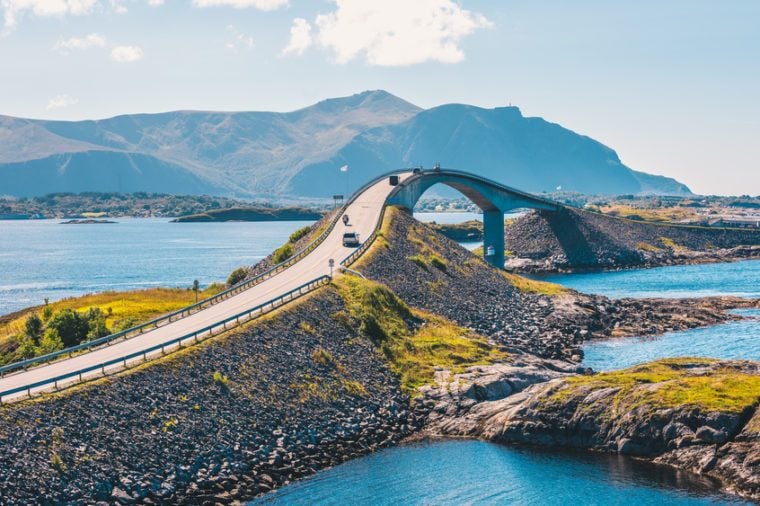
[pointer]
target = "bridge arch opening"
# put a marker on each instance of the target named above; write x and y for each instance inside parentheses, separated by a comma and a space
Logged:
(492, 198)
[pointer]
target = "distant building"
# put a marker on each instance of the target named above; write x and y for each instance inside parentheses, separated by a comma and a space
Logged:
(735, 222)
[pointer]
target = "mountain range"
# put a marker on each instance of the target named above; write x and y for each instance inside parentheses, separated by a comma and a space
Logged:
(298, 154)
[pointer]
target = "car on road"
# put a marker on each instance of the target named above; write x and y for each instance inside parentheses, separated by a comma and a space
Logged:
(351, 239)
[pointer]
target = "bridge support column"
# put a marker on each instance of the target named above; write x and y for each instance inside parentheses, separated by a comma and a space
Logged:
(493, 237)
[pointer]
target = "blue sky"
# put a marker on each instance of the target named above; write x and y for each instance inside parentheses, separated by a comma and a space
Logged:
(673, 86)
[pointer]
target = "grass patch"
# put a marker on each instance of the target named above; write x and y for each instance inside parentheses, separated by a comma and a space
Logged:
(413, 342)
(438, 263)
(122, 309)
(221, 379)
(323, 357)
(528, 285)
(644, 246)
(299, 234)
(668, 383)
(283, 253)
(307, 327)
(670, 243)
(419, 260)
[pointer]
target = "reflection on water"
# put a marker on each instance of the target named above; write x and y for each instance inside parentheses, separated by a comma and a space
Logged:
(476, 472)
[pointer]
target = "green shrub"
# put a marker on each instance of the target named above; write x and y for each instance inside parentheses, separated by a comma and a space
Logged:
(283, 253)
(50, 343)
(237, 276)
(299, 234)
(33, 327)
(221, 379)
(71, 326)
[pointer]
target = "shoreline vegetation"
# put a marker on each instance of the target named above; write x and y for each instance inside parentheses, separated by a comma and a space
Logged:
(93, 205)
(52, 326)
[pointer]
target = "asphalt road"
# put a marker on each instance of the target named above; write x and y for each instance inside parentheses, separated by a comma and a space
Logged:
(364, 212)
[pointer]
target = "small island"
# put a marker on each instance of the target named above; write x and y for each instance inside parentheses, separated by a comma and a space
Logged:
(88, 221)
(252, 214)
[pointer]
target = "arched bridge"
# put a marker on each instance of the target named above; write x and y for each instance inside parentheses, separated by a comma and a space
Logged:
(493, 198)
(305, 271)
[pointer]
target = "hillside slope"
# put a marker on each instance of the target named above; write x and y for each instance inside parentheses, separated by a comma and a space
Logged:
(575, 239)
(297, 154)
(500, 144)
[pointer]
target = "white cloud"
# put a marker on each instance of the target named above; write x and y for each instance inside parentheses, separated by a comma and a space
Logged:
(155, 3)
(397, 32)
(237, 40)
(300, 37)
(61, 101)
(64, 46)
(12, 8)
(262, 5)
(118, 7)
(126, 54)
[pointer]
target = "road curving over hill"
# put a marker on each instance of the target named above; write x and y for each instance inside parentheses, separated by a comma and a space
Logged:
(364, 211)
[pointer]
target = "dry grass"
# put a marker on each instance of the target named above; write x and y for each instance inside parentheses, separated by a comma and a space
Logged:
(414, 352)
(123, 309)
(528, 285)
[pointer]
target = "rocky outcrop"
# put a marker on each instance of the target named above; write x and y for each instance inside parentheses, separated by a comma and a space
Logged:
(573, 240)
(696, 414)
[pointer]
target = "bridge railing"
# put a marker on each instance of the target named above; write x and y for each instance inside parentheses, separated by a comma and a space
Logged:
(189, 338)
(180, 313)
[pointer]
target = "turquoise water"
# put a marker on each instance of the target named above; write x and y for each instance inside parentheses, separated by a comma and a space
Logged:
(735, 278)
(733, 340)
(476, 472)
(42, 258)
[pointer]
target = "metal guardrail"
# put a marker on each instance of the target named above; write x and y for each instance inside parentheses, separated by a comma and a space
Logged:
(196, 336)
(180, 313)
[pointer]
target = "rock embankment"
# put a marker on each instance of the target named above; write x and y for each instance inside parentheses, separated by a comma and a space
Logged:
(580, 240)
(696, 414)
(431, 272)
(222, 421)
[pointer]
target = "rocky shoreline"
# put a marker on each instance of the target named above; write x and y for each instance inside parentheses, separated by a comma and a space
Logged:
(634, 412)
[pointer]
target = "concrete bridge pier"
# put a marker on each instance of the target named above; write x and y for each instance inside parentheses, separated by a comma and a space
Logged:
(493, 237)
